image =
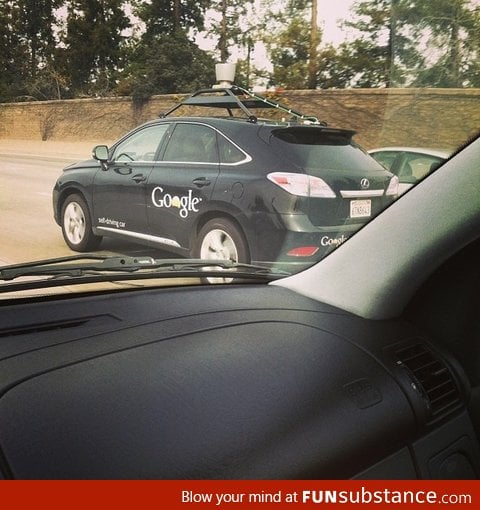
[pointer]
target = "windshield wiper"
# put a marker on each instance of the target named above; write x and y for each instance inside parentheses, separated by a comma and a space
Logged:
(98, 268)
(65, 266)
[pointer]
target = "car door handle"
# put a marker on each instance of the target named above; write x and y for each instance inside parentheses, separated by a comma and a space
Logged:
(139, 178)
(122, 170)
(200, 182)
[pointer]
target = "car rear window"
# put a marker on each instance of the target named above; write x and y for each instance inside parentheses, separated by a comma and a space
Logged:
(317, 149)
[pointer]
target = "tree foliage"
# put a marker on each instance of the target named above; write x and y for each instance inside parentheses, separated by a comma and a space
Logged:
(169, 64)
(93, 43)
(385, 52)
(165, 59)
(52, 49)
(294, 50)
(27, 44)
(9, 51)
(168, 16)
(35, 19)
(453, 47)
(409, 43)
(228, 30)
(290, 55)
(397, 43)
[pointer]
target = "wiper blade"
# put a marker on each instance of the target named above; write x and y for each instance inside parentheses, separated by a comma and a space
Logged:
(96, 268)
(65, 266)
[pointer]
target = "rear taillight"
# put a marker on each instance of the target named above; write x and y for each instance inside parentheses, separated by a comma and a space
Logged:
(392, 187)
(303, 251)
(302, 185)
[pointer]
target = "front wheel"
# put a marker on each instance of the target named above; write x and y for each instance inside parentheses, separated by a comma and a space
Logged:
(221, 239)
(77, 225)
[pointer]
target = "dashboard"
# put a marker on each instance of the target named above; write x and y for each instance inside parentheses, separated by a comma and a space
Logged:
(226, 382)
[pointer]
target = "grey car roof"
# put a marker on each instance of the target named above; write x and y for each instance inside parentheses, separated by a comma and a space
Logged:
(441, 153)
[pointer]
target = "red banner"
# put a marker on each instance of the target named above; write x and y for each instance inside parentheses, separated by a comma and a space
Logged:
(225, 495)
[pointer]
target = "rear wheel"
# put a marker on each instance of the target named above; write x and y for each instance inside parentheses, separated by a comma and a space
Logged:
(77, 225)
(221, 239)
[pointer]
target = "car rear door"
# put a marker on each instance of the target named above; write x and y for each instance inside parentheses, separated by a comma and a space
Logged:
(181, 185)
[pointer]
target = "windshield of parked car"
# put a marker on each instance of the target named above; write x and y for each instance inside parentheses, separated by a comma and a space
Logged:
(297, 123)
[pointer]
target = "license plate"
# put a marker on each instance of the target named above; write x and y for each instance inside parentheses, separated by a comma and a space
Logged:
(360, 208)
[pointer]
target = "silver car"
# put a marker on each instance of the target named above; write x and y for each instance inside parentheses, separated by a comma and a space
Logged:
(409, 164)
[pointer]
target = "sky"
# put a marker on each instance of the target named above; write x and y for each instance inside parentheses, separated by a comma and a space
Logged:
(329, 12)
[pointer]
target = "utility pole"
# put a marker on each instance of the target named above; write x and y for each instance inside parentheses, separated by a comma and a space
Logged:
(222, 42)
(313, 53)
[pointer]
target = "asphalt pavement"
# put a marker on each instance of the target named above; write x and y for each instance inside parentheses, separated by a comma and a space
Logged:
(51, 149)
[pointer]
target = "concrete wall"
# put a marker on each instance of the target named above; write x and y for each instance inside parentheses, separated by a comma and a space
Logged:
(441, 118)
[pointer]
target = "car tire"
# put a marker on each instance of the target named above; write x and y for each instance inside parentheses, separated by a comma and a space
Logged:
(77, 225)
(221, 239)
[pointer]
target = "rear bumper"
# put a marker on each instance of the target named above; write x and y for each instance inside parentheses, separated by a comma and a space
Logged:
(278, 237)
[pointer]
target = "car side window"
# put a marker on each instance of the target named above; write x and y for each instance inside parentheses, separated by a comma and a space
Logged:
(192, 143)
(142, 145)
(229, 154)
(385, 158)
(417, 166)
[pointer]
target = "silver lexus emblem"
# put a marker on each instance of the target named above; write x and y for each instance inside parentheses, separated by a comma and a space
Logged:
(365, 183)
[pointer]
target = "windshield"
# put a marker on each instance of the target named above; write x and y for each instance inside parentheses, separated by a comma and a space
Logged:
(300, 123)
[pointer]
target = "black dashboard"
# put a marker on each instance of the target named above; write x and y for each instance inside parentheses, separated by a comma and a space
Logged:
(233, 382)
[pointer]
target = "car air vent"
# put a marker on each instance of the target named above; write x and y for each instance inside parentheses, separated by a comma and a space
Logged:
(432, 378)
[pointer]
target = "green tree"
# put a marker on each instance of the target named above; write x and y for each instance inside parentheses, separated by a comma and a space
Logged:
(165, 59)
(168, 64)
(290, 54)
(168, 16)
(408, 43)
(36, 19)
(94, 45)
(294, 48)
(385, 52)
(451, 28)
(10, 77)
(235, 27)
(356, 64)
(27, 45)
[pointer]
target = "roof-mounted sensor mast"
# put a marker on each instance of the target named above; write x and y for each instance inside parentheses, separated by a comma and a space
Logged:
(228, 96)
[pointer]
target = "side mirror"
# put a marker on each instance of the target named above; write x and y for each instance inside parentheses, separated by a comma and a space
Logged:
(100, 153)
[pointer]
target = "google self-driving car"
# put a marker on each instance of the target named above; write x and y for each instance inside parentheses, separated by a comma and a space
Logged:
(244, 189)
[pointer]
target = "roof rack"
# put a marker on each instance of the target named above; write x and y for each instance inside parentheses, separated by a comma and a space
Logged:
(234, 97)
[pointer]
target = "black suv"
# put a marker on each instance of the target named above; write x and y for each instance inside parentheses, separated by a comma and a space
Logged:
(245, 189)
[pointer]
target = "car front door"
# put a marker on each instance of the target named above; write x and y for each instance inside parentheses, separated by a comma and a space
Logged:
(181, 185)
(119, 191)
